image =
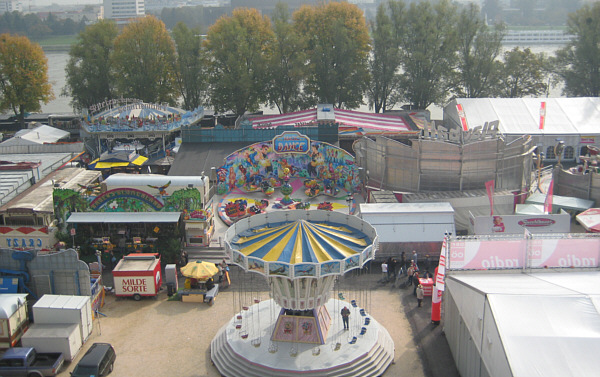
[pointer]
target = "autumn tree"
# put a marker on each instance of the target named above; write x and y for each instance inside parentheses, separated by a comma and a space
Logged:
(428, 52)
(578, 64)
(479, 46)
(383, 62)
(337, 46)
(285, 63)
(238, 48)
(23, 76)
(190, 75)
(88, 71)
(144, 61)
(523, 74)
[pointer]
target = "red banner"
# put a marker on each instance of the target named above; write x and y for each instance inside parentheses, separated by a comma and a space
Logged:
(548, 202)
(489, 186)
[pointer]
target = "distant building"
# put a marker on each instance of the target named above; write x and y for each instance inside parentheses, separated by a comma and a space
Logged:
(123, 11)
(11, 6)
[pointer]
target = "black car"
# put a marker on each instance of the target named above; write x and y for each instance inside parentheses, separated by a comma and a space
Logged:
(97, 361)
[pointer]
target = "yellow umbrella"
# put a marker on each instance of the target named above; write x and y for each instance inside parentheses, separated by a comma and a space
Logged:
(199, 270)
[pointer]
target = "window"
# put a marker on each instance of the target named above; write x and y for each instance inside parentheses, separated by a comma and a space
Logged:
(550, 153)
(569, 153)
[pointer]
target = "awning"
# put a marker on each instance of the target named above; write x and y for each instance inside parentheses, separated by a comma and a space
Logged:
(140, 160)
(123, 217)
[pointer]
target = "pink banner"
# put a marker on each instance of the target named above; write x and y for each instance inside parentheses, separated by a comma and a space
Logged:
(542, 115)
(440, 275)
(510, 254)
(575, 253)
(484, 255)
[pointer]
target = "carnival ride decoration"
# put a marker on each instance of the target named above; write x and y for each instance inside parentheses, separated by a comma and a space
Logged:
(302, 254)
(267, 188)
(325, 206)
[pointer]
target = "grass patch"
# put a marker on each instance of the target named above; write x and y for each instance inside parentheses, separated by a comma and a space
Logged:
(56, 41)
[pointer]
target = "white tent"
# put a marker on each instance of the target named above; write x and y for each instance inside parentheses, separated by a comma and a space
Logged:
(525, 324)
(572, 120)
(39, 135)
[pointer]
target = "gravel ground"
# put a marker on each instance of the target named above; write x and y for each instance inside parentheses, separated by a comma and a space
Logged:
(157, 337)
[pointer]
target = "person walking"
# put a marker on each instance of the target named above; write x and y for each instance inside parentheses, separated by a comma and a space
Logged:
(420, 294)
(392, 269)
(410, 272)
(345, 317)
(402, 264)
(416, 282)
(415, 258)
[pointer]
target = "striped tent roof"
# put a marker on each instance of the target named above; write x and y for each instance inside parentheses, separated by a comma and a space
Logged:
(301, 241)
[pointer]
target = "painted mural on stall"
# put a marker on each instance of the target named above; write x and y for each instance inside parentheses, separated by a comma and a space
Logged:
(289, 154)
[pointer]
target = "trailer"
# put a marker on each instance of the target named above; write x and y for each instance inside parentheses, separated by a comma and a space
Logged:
(409, 226)
(14, 319)
(56, 337)
(138, 275)
(61, 309)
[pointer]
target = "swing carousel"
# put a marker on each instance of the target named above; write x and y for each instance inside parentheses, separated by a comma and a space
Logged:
(301, 254)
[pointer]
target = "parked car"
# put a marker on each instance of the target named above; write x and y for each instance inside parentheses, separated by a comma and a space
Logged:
(97, 361)
(25, 361)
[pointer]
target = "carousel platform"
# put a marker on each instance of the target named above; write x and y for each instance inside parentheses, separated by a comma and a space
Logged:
(243, 347)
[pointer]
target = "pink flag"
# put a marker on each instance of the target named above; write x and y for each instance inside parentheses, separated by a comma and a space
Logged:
(462, 116)
(489, 186)
(548, 201)
(542, 115)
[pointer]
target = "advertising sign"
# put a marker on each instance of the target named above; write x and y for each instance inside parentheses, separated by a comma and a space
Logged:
(129, 285)
(484, 254)
(516, 224)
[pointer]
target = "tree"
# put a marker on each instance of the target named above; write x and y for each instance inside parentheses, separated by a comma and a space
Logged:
(88, 71)
(428, 52)
(190, 75)
(478, 48)
(337, 45)
(239, 46)
(144, 61)
(383, 62)
(285, 64)
(23, 76)
(578, 64)
(523, 74)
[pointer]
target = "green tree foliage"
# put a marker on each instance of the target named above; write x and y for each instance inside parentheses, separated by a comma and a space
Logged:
(285, 64)
(23, 76)
(88, 71)
(190, 75)
(239, 46)
(428, 52)
(337, 46)
(144, 61)
(383, 62)
(478, 49)
(523, 74)
(578, 64)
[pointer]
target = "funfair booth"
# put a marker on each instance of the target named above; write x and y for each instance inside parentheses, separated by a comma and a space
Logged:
(523, 306)
(299, 331)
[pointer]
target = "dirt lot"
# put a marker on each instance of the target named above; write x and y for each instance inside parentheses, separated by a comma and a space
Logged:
(171, 338)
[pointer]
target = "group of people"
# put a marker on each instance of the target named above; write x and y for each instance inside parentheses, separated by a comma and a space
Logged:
(393, 270)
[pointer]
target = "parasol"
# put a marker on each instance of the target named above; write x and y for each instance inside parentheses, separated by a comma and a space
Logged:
(590, 220)
(199, 270)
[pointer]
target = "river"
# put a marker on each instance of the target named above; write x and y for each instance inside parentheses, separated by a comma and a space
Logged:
(57, 61)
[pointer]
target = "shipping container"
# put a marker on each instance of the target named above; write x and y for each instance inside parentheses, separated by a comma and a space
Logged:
(51, 309)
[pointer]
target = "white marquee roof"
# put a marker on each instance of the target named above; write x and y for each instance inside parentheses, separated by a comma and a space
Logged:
(548, 322)
(520, 116)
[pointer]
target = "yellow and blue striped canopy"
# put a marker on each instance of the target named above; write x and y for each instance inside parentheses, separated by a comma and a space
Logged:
(301, 241)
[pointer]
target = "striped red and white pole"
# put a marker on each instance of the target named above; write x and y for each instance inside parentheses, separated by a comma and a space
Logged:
(436, 303)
